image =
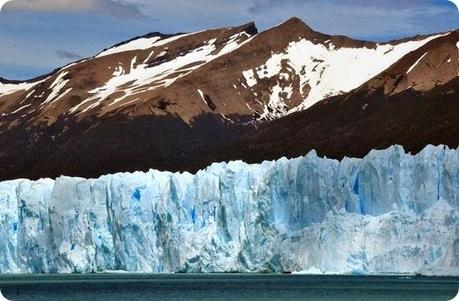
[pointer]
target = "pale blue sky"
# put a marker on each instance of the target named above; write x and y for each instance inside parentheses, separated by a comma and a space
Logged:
(37, 36)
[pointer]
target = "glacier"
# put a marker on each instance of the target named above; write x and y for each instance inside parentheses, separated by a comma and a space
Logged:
(388, 213)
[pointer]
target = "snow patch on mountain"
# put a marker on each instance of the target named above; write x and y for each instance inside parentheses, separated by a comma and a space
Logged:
(138, 44)
(141, 77)
(202, 96)
(390, 212)
(276, 106)
(21, 108)
(6, 89)
(143, 43)
(56, 87)
(416, 63)
(324, 70)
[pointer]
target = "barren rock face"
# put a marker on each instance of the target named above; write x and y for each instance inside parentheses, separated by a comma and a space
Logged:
(172, 101)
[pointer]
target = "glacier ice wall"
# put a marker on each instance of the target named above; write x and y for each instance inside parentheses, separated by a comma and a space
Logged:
(390, 212)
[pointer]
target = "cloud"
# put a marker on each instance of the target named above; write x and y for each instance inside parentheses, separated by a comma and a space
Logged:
(117, 8)
(67, 55)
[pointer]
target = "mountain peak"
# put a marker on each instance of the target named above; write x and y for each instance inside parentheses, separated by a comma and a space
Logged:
(296, 23)
(250, 28)
(294, 29)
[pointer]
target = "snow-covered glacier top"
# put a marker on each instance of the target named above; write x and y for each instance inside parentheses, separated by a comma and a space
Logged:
(390, 212)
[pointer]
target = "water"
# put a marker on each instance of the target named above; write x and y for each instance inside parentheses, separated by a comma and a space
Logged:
(233, 287)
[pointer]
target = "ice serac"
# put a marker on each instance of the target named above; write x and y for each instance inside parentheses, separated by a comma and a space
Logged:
(390, 212)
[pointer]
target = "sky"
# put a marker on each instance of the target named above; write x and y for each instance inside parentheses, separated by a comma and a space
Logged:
(37, 36)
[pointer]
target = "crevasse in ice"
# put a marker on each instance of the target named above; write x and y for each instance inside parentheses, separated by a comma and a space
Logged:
(390, 212)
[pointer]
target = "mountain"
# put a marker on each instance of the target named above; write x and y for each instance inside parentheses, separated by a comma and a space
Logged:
(177, 102)
(413, 103)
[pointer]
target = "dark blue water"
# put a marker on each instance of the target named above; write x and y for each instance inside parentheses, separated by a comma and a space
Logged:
(234, 287)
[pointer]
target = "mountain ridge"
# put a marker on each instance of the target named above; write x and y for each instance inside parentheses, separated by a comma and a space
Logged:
(175, 102)
(166, 35)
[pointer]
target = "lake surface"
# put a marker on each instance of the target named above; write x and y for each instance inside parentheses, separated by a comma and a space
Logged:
(233, 287)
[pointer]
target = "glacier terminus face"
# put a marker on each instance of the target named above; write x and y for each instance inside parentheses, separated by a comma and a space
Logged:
(389, 212)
